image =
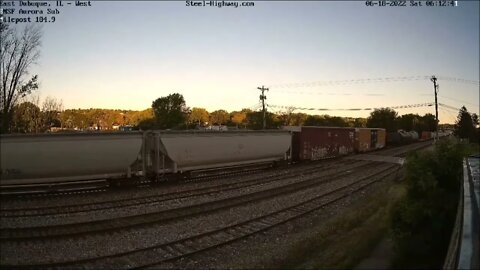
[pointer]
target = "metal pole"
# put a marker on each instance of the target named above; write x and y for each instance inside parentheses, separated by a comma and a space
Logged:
(434, 80)
(262, 98)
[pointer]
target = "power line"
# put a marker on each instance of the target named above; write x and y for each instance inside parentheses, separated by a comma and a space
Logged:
(326, 93)
(449, 113)
(458, 100)
(458, 80)
(352, 109)
(347, 82)
(448, 106)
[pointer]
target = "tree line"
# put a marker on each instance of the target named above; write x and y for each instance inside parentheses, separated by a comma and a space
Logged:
(171, 112)
(20, 49)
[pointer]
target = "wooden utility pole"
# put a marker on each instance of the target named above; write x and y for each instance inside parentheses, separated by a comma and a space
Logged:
(262, 98)
(435, 89)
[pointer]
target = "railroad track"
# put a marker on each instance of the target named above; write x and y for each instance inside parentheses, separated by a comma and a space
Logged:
(311, 179)
(404, 149)
(65, 189)
(155, 255)
(158, 198)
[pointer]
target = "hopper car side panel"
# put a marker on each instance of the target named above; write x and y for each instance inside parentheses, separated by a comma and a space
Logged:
(49, 158)
(196, 151)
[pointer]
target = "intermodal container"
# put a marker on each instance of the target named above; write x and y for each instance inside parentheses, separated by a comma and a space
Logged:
(313, 143)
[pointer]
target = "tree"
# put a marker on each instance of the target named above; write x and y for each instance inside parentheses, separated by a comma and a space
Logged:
(360, 122)
(146, 124)
(238, 118)
(475, 119)
(17, 54)
(298, 119)
(408, 122)
(219, 117)
(428, 122)
(314, 120)
(286, 118)
(198, 116)
(382, 118)
(423, 219)
(170, 111)
(255, 120)
(464, 126)
(51, 109)
(335, 121)
(26, 118)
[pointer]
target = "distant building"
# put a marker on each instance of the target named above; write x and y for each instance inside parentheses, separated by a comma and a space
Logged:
(125, 128)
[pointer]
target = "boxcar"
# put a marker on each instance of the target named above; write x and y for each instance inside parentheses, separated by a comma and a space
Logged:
(426, 135)
(369, 139)
(363, 139)
(313, 143)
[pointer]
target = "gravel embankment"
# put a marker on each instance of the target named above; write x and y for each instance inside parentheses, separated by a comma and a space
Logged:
(80, 217)
(264, 250)
(135, 238)
(43, 201)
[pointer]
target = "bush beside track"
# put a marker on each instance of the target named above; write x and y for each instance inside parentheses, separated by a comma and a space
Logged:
(422, 221)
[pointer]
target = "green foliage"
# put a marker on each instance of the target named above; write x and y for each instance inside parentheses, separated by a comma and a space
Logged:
(428, 122)
(146, 124)
(325, 120)
(170, 111)
(255, 120)
(383, 118)
(465, 125)
(198, 116)
(421, 223)
(238, 118)
(408, 122)
(26, 118)
(219, 117)
(18, 52)
(359, 122)
(415, 122)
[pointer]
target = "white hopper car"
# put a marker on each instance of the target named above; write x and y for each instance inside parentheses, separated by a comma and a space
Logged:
(59, 158)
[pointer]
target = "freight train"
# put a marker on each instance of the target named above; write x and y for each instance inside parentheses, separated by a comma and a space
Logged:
(60, 158)
(157, 155)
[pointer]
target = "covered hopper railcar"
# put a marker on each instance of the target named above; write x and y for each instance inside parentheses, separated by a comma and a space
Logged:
(53, 158)
(76, 157)
(172, 152)
(402, 137)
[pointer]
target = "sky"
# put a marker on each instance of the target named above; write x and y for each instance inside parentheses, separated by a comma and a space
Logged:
(125, 54)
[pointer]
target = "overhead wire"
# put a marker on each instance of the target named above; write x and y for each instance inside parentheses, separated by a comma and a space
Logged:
(458, 80)
(347, 82)
(458, 100)
(449, 113)
(427, 104)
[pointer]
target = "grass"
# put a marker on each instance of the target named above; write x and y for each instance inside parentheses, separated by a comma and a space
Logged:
(345, 240)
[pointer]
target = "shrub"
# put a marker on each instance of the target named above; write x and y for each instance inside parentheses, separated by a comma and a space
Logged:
(421, 223)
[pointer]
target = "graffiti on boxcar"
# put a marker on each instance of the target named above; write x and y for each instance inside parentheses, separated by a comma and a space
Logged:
(318, 152)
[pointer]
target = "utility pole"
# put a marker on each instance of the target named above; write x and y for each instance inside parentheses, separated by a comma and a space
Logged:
(435, 89)
(262, 98)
